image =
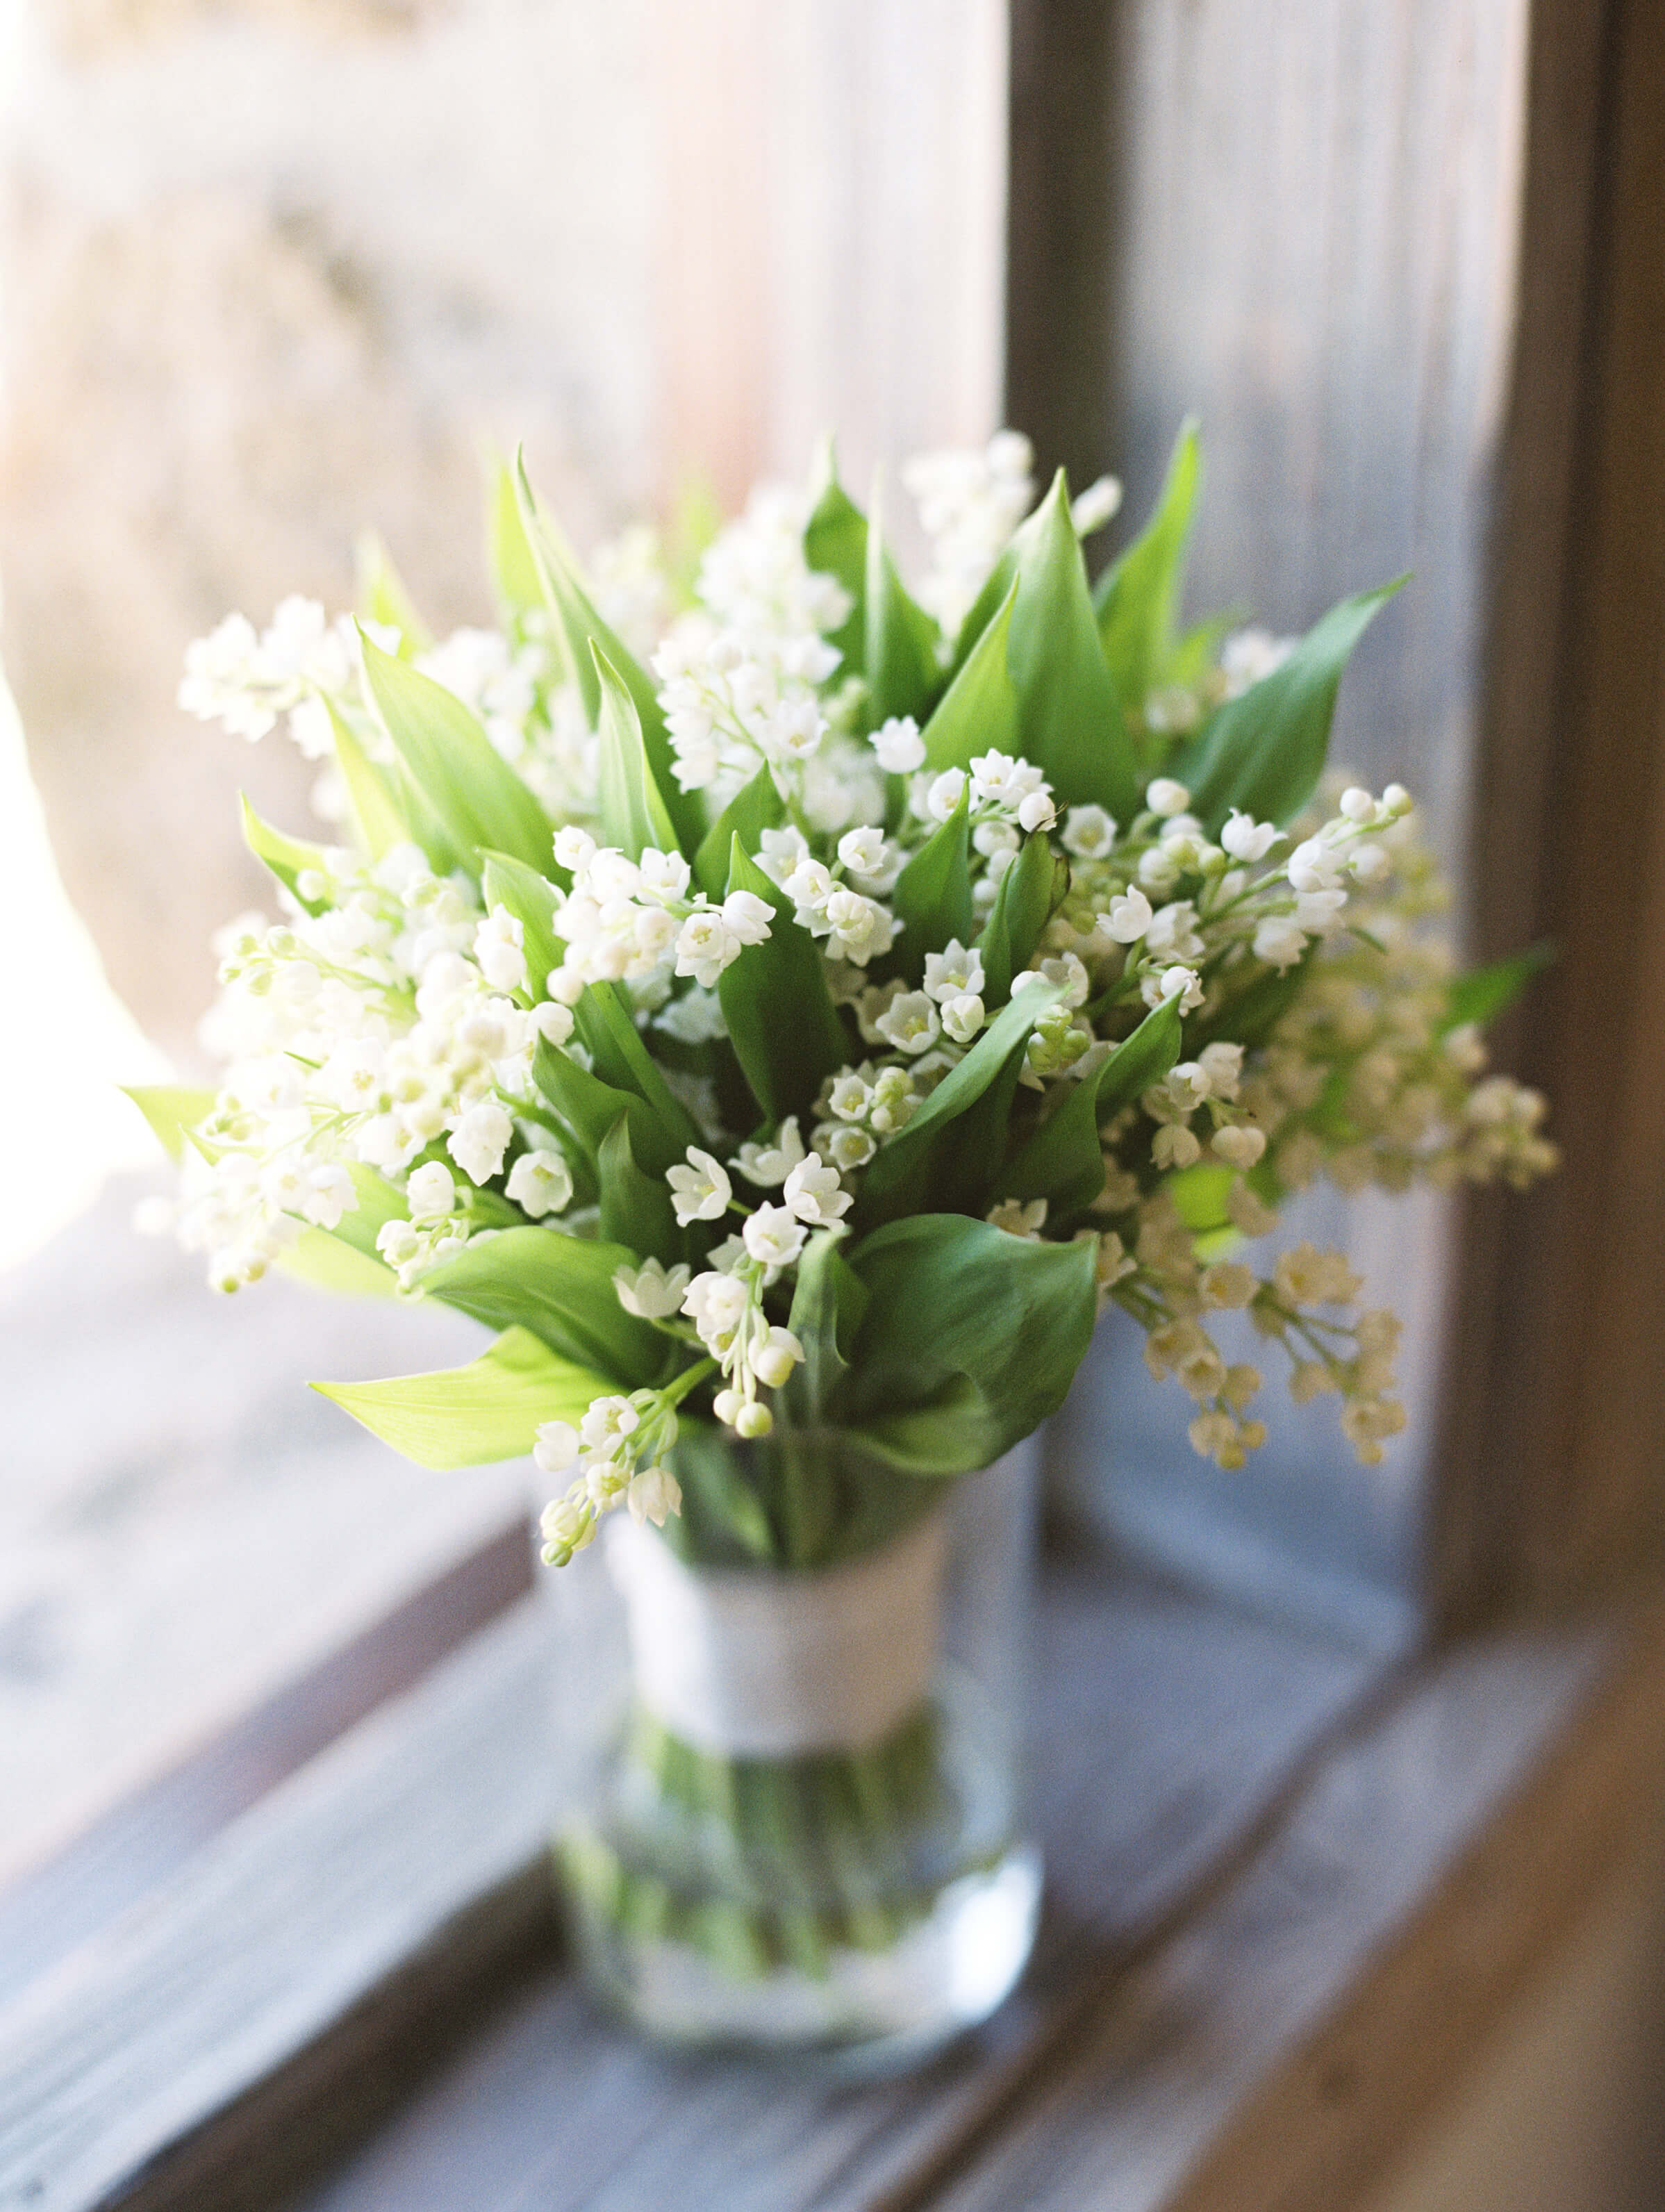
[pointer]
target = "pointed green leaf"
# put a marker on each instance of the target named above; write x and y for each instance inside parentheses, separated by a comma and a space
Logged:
(782, 1023)
(468, 1416)
(561, 1288)
(1071, 723)
(1264, 751)
(836, 545)
(478, 797)
(1138, 596)
(1064, 1161)
(954, 1302)
(635, 1208)
(382, 596)
(587, 1108)
(289, 858)
(756, 806)
(966, 1160)
(376, 808)
(607, 1030)
(827, 1306)
(1483, 992)
(530, 897)
(978, 712)
(957, 1092)
(901, 639)
(1029, 893)
(579, 628)
(513, 564)
(325, 1261)
(171, 1109)
(633, 811)
(932, 895)
(1195, 651)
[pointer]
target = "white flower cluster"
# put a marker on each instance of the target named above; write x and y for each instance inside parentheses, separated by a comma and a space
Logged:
(627, 921)
(617, 1455)
(245, 679)
(969, 503)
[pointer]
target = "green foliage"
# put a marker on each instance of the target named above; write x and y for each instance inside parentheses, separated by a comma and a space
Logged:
(1265, 751)
(835, 543)
(287, 857)
(900, 638)
(985, 1329)
(632, 809)
(513, 563)
(607, 1029)
(1138, 597)
(469, 1416)
(978, 712)
(382, 596)
(1029, 893)
(959, 1090)
(782, 1023)
(753, 809)
(477, 798)
(932, 895)
(561, 1288)
(1071, 723)
(579, 629)
(587, 1108)
(172, 1109)
(635, 1208)
(325, 1262)
(530, 897)
(1485, 993)
(381, 819)
(827, 1307)
(1064, 1162)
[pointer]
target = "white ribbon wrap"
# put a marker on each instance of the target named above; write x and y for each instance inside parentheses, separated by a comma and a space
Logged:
(769, 1665)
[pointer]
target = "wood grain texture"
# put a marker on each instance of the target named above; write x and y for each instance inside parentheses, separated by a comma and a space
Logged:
(113, 2062)
(1557, 1422)
(832, 205)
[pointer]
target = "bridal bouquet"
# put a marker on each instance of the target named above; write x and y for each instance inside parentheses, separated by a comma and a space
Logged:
(788, 1008)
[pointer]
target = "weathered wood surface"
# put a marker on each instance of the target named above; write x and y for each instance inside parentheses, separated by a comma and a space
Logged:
(360, 1861)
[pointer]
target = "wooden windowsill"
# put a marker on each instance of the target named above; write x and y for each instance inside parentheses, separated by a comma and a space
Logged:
(1257, 1844)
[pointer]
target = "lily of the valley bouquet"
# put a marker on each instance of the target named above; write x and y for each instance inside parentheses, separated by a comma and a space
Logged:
(788, 1009)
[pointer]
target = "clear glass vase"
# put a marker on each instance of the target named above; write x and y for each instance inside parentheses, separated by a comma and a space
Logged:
(793, 1818)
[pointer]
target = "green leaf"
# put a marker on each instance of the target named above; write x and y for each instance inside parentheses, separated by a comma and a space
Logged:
(836, 545)
(932, 895)
(479, 800)
(635, 1208)
(530, 897)
(376, 1203)
(325, 1261)
(1483, 992)
(1064, 1161)
(632, 808)
(978, 712)
(957, 1092)
(608, 1031)
(1195, 651)
(381, 819)
(1199, 1193)
(955, 1302)
(1070, 718)
(588, 1109)
(382, 596)
(1029, 893)
(468, 1416)
(783, 1025)
(513, 564)
(756, 806)
(579, 628)
(561, 1288)
(827, 1306)
(966, 1162)
(901, 638)
(1265, 752)
(171, 1109)
(1137, 598)
(287, 857)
